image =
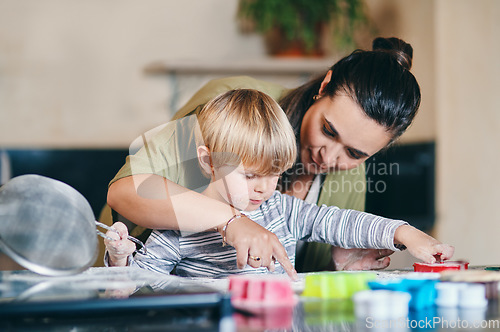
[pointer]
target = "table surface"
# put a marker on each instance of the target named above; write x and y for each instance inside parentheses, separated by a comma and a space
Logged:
(309, 314)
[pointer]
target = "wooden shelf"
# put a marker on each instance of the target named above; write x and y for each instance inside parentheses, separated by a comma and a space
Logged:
(195, 71)
(256, 66)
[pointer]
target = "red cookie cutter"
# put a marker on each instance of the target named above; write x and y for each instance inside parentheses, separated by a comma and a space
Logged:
(439, 267)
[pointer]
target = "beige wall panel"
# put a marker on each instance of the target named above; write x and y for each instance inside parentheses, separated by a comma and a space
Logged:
(468, 86)
(71, 72)
(413, 21)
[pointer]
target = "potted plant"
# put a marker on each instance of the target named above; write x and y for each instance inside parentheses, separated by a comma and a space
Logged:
(299, 26)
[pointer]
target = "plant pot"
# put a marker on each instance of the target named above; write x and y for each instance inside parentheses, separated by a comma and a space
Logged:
(279, 45)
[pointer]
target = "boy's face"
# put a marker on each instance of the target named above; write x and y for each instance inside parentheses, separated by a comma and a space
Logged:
(242, 188)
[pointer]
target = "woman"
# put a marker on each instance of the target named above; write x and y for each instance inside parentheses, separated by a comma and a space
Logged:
(361, 105)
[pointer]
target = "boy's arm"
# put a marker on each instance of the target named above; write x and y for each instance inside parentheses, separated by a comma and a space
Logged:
(341, 227)
(355, 229)
(163, 253)
(161, 204)
(159, 257)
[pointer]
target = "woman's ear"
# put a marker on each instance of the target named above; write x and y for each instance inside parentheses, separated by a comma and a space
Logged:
(325, 82)
(205, 160)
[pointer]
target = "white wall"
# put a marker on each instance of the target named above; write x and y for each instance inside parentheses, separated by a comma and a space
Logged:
(457, 45)
(413, 21)
(468, 129)
(71, 71)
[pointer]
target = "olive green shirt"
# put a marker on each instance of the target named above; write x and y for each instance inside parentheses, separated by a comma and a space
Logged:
(168, 155)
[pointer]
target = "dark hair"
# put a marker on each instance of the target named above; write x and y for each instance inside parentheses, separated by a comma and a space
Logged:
(380, 81)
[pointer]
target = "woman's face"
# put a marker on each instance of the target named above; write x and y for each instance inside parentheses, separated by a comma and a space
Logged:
(337, 135)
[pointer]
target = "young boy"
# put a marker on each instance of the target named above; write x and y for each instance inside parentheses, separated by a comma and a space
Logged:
(244, 143)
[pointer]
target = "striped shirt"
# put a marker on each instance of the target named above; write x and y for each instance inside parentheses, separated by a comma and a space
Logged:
(291, 219)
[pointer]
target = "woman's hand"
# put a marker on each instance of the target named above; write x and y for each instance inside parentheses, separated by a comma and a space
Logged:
(361, 259)
(256, 246)
(121, 247)
(421, 245)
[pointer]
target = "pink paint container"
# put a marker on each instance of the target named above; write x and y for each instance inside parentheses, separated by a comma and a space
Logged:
(269, 298)
(440, 267)
(261, 290)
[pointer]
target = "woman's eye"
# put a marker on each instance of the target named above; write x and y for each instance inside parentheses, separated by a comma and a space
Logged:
(250, 176)
(327, 131)
(352, 154)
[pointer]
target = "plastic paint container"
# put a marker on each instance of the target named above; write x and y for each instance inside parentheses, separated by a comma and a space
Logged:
(336, 285)
(448, 293)
(381, 304)
(439, 267)
(473, 296)
(463, 295)
(265, 290)
(269, 298)
(422, 291)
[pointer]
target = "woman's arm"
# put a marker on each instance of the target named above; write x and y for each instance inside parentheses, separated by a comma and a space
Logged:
(154, 202)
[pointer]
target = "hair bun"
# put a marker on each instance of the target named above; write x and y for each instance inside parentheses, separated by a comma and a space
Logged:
(402, 51)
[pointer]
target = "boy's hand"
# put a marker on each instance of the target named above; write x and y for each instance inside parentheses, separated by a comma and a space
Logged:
(252, 240)
(120, 248)
(421, 245)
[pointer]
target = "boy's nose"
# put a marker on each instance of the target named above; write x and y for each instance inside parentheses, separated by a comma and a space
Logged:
(262, 186)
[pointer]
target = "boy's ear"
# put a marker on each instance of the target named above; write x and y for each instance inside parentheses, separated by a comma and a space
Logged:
(204, 159)
(325, 82)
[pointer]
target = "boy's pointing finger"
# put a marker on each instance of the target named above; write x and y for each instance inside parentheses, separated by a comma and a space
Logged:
(281, 256)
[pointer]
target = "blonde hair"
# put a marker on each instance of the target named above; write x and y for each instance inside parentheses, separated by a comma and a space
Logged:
(248, 126)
